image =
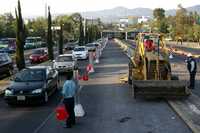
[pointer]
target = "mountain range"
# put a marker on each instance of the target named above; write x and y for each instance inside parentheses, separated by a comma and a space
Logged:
(113, 15)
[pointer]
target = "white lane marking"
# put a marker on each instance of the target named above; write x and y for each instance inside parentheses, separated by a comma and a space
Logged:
(50, 115)
(194, 108)
(43, 123)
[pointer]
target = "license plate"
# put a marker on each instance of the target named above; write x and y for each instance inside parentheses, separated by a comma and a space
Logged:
(21, 98)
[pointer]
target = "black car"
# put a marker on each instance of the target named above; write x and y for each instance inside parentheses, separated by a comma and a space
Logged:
(33, 84)
(70, 46)
(7, 50)
(6, 64)
(91, 47)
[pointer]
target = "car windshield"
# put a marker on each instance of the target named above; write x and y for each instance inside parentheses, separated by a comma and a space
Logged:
(3, 58)
(90, 45)
(30, 75)
(37, 52)
(64, 58)
(79, 49)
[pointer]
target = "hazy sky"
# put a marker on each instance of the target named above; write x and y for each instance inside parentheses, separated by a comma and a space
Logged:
(37, 7)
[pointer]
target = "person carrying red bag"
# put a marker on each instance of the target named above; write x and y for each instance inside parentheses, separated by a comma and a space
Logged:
(69, 92)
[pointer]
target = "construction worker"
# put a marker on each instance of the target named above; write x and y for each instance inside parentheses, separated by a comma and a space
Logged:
(68, 92)
(192, 68)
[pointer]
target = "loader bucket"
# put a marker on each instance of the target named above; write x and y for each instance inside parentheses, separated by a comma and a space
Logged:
(160, 89)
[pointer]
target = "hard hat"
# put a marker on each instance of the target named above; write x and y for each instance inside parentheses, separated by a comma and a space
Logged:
(189, 55)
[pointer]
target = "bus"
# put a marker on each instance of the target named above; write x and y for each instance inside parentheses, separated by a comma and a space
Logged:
(33, 42)
(7, 45)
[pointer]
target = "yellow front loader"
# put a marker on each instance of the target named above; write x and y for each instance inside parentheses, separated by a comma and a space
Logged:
(150, 70)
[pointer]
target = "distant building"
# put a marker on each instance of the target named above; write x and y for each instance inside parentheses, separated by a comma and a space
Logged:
(132, 20)
(143, 19)
(92, 21)
(123, 22)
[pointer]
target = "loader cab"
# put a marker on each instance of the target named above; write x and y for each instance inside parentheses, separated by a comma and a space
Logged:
(163, 72)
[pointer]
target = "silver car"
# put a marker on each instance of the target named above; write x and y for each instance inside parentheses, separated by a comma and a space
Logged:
(64, 63)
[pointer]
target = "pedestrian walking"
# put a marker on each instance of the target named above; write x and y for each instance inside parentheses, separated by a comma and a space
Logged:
(68, 92)
(192, 68)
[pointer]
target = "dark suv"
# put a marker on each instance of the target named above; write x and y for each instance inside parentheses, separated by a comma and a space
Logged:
(6, 64)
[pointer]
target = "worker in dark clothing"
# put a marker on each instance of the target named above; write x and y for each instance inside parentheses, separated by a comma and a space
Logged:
(68, 92)
(192, 68)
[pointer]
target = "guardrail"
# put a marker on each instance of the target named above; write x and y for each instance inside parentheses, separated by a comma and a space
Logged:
(127, 48)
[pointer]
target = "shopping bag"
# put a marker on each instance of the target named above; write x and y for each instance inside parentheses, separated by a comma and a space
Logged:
(79, 111)
(61, 113)
(85, 77)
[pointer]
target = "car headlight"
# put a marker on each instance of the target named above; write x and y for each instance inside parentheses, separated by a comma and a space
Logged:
(37, 91)
(8, 92)
(31, 57)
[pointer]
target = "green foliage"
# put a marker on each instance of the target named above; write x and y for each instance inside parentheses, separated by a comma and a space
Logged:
(69, 27)
(37, 27)
(81, 31)
(160, 22)
(159, 13)
(20, 38)
(7, 25)
(93, 33)
(49, 37)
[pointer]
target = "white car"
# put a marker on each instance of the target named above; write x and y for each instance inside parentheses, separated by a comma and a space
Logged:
(80, 52)
(64, 63)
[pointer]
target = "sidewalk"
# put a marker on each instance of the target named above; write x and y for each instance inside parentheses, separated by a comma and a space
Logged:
(185, 44)
(187, 109)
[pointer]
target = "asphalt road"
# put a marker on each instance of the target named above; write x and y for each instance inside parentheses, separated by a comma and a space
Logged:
(110, 108)
(27, 118)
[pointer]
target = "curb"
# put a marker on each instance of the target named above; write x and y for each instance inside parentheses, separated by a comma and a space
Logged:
(184, 110)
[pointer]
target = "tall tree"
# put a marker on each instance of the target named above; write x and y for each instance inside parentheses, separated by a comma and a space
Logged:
(78, 20)
(86, 32)
(37, 27)
(49, 37)
(61, 39)
(181, 21)
(159, 13)
(20, 38)
(81, 30)
(160, 20)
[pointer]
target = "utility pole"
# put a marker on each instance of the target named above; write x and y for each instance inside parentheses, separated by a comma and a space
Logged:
(46, 11)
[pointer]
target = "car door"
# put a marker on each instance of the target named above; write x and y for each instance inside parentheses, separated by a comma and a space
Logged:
(52, 80)
(45, 55)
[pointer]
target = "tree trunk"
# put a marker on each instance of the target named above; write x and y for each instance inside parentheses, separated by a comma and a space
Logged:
(61, 40)
(49, 37)
(20, 39)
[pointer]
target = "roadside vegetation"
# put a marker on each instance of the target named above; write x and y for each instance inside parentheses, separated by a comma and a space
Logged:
(183, 26)
(55, 32)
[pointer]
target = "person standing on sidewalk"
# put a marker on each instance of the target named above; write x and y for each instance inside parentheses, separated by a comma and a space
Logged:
(192, 68)
(68, 92)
